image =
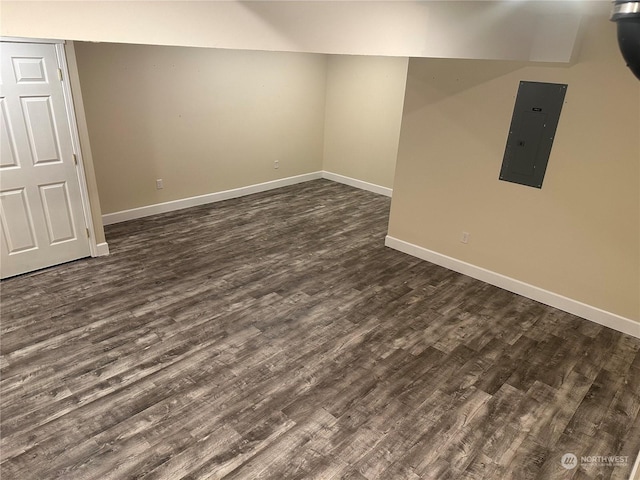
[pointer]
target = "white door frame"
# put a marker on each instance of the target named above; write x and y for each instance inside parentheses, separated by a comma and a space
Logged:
(73, 128)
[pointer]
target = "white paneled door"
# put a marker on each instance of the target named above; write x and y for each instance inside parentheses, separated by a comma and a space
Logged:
(43, 221)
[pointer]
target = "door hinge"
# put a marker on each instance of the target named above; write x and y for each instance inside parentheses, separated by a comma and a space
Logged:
(88, 235)
(60, 74)
(75, 159)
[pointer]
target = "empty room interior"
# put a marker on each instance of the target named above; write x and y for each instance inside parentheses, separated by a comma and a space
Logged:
(320, 240)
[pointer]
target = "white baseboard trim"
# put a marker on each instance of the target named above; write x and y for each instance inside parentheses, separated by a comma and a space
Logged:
(602, 317)
(102, 249)
(148, 210)
(354, 182)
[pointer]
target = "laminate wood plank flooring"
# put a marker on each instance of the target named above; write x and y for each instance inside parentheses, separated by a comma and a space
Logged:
(274, 336)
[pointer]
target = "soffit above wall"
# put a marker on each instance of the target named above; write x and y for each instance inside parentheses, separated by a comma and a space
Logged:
(501, 30)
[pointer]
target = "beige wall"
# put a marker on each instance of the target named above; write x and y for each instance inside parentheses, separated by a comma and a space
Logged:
(363, 114)
(578, 236)
(203, 120)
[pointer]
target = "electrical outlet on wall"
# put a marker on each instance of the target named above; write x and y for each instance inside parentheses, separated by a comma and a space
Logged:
(464, 238)
(276, 164)
(159, 184)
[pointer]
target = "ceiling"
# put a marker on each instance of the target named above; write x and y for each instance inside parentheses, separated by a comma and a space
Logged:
(545, 31)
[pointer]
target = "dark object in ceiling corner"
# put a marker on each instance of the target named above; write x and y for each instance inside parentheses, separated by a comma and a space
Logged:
(626, 13)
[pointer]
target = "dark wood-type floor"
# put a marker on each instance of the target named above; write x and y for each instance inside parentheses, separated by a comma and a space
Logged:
(274, 336)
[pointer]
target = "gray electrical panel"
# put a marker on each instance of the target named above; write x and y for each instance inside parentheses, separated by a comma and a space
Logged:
(531, 134)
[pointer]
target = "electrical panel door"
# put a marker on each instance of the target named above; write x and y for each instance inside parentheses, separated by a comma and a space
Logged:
(533, 128)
